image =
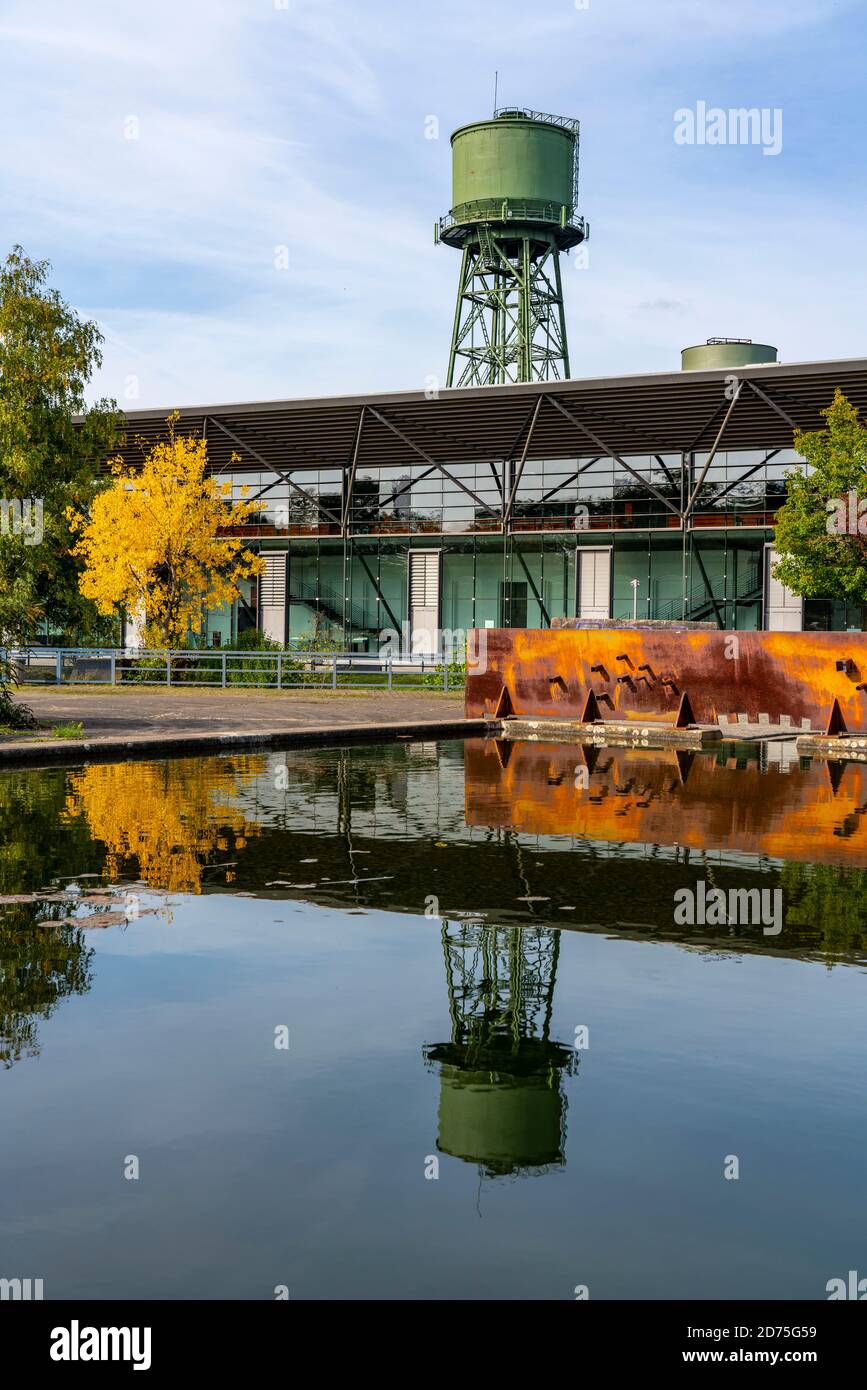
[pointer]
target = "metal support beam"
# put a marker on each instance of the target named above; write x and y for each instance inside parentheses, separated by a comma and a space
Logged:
(520, 469)
(743, 476)
(349, 474)
(380, 595)
(272, 469)
(720, 618)
(573, 477)
(757, 390)
(405, 487)
(600, 444)
(454, 442)
(530, 580)
(712, 455)
(661, 461)
(432, 462)
(690, 448)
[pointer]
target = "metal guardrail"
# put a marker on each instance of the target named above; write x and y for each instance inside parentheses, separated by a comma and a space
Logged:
(216, 668)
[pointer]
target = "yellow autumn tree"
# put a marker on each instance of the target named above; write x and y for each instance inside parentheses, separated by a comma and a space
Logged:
(152, 543)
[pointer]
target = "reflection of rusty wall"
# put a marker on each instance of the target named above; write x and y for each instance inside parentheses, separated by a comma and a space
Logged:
(642, 674)
(650, 796)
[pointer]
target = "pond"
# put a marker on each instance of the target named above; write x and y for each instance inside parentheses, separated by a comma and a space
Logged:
(434, 1020)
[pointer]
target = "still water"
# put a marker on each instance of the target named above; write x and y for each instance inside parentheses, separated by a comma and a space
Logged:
(418, 1021)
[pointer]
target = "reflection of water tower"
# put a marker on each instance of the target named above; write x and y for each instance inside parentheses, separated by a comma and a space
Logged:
(514, 209)
(501, 1100)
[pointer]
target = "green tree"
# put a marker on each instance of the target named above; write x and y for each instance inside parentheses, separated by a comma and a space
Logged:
(49, 459)
(819, 555)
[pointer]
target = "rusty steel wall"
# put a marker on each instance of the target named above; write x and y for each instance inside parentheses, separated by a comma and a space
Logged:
(643, 675)
(809, 813)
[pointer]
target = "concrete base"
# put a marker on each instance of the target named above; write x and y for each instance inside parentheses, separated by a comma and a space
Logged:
(610, 734)
(852, 747)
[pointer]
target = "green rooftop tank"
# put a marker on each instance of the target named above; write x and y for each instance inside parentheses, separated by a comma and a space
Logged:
(514, 209)
(724, 354)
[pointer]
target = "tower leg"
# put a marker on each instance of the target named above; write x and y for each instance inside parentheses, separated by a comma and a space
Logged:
(509, 323)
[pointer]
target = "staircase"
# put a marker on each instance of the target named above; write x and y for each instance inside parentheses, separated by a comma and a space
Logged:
(701, 603)
(331, 604)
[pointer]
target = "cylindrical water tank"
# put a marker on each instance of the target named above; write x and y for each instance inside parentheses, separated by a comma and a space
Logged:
(513, 159)
(723, 354)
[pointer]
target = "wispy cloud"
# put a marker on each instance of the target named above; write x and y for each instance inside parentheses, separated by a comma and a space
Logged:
(244, 196)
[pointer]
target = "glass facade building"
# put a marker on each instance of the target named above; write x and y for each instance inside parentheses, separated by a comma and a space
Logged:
(651, 497)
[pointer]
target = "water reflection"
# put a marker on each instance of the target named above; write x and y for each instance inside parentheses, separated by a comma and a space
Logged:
(786, 808)
(295, 886)
(168, 819)
(39, 966)
(501, 1098)
(548, 836)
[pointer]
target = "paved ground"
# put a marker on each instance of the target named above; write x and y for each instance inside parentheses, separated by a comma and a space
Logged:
(148, 721)
(109, 714)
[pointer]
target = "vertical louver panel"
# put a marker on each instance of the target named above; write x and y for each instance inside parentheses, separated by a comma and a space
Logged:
(272, 583)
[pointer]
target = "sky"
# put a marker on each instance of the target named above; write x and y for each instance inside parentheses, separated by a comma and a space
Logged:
(243, 193)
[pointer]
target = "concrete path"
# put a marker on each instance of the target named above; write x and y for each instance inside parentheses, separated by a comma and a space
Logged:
(129, 721)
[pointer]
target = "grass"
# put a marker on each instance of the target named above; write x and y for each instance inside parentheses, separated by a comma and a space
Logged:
(73, 729)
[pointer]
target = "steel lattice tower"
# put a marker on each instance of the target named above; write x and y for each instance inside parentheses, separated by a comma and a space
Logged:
(515, 193)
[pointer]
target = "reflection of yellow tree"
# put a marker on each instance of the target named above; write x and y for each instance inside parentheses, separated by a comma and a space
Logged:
(171, 817)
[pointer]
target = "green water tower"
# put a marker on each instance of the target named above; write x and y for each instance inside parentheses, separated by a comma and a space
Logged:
(514, 209)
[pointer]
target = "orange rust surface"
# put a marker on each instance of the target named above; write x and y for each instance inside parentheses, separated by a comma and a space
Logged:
(816, 813)
(642, 674)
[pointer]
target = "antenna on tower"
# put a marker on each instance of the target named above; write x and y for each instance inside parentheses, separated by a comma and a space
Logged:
(496, 79)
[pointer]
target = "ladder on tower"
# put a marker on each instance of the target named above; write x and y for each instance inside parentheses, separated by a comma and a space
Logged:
(487, 251)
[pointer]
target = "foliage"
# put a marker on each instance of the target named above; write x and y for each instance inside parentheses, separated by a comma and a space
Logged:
(166, 819)
(39, 965)
(253, 640)
(73, 729)
(253, 670)
(815, 562)
(152, 541)
(433, 679)
(830, 901)
(47, 356)
(12, 715)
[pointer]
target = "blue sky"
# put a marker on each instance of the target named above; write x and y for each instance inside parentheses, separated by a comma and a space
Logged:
(263, 124)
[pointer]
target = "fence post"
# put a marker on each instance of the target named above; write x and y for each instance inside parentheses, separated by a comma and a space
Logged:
(168, 668)
(445, 674)
(223, 670)
(388, 661)
(113, 660)
(334, 672)
(279, 670)
(58, 667)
